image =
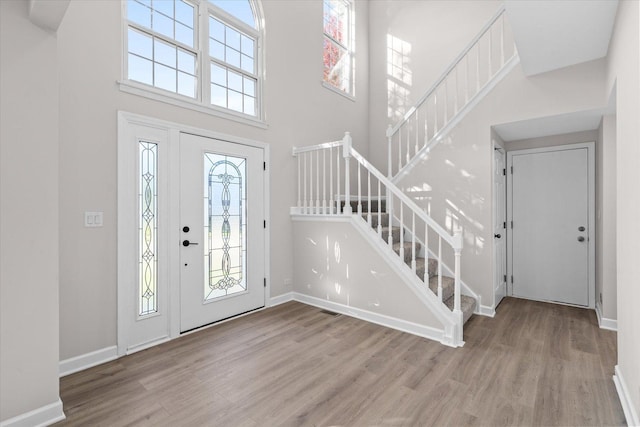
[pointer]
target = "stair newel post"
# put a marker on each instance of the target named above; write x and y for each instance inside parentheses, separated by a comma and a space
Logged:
(299, 186)
(413, 242)
(458, 250)
(346, 153)
(440, 268)
(389, 139)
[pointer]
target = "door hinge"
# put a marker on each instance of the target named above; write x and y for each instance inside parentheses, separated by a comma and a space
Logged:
(265, 223)
(504, 171)
(505, 278)
(511, 170)
(512, 225)
(504, 225)
(512, 279)
(264, 166)
(265, 282)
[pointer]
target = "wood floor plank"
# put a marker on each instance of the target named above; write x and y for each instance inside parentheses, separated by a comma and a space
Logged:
(295, 365)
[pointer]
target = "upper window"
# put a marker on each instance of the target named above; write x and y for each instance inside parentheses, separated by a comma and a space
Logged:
(338, 44)
(204, 51)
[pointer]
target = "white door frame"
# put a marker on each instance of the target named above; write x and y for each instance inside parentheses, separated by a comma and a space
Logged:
(132, 128)
(502, 151)
(591, 168)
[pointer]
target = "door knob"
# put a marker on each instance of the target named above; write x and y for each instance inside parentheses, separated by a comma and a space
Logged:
(497, 236)
(580, 239)
(188, 243)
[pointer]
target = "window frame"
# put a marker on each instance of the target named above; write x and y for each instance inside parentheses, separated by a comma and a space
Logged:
(349, 49)
(202, 101)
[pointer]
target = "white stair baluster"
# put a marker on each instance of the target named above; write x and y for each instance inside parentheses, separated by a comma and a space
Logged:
(331, 180)
(399, 149)
(379, 210)
(299, 185)
(317, 182)
(440, 268)
(324, 181)
(369, 197)
(359, 192)
(413, 242)
(346, 153)
(338, 207)
(401, 231)
(426, 253)
(305, 182)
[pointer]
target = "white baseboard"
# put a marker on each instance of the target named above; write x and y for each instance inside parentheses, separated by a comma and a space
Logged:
(379, 319)
(88, 360)
(609, 324)
(485, 310)
(280, 299)
(625, 400)
(43, 416)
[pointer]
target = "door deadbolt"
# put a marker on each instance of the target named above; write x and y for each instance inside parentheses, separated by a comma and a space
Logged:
(581, 228)
(185, 229)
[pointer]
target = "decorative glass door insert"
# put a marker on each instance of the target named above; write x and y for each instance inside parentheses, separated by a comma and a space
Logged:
(224, 225)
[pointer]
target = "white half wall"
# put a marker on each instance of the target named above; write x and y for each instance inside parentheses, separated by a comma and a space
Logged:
(335, 266)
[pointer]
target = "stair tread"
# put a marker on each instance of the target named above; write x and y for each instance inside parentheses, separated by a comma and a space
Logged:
(433, 266)
(448, 286)
(467, 305)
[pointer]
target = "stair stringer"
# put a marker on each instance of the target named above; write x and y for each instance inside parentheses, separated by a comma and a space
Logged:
(452, 322)
(457, 118)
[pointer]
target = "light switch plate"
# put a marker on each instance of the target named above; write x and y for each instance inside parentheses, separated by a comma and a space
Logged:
(93, 219)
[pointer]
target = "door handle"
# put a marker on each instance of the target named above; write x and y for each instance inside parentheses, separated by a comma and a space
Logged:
(580, 238)
(497, 236)
(188, 243)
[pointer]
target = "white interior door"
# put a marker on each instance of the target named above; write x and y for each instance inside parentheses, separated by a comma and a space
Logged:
(222, 232)
(499, 231)
(550, 210)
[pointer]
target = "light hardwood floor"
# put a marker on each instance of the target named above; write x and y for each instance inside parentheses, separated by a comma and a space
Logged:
(533, 364)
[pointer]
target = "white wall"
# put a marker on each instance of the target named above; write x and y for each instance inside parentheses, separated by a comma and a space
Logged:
(334, 263)
(435, 32)
(28, 215)
(606, 276)
(457, 172)
(553, 140)
(90, 64)
(623, 69)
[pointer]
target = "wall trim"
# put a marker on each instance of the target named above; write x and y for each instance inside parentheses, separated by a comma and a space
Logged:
(280, 299)
(485, 310)
(603, 322)
(625, 399)
(88, 360)
(43, 416)
(378, 319)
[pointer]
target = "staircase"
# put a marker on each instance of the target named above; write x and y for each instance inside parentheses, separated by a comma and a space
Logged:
(405, 249)
(416, 244)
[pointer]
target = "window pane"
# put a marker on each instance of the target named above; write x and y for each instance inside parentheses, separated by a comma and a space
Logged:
(165, 78)
(216, 50)
(162, 24)
(232, 57)
(218, 75)
(147, 228)
(184, 13)
(249, 105)
(186, 85)
(232, 38)
(218, 95)
(235, 101)
(249, 87)
(138, 13)
(163, 6)
(235, 81)
(184, 34)
(241, 9)
(140, 69)
(140, 44)
(247, 46)
(247, 64)
(186, 62)
(336, 20)
(165, 53)
(216, 29)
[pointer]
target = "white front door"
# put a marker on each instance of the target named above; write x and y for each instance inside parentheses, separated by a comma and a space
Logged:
(499, 224)
(550, 210)
(222, 231)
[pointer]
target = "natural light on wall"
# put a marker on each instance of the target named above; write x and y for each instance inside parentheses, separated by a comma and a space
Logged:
(399, 78)
(338, 45)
